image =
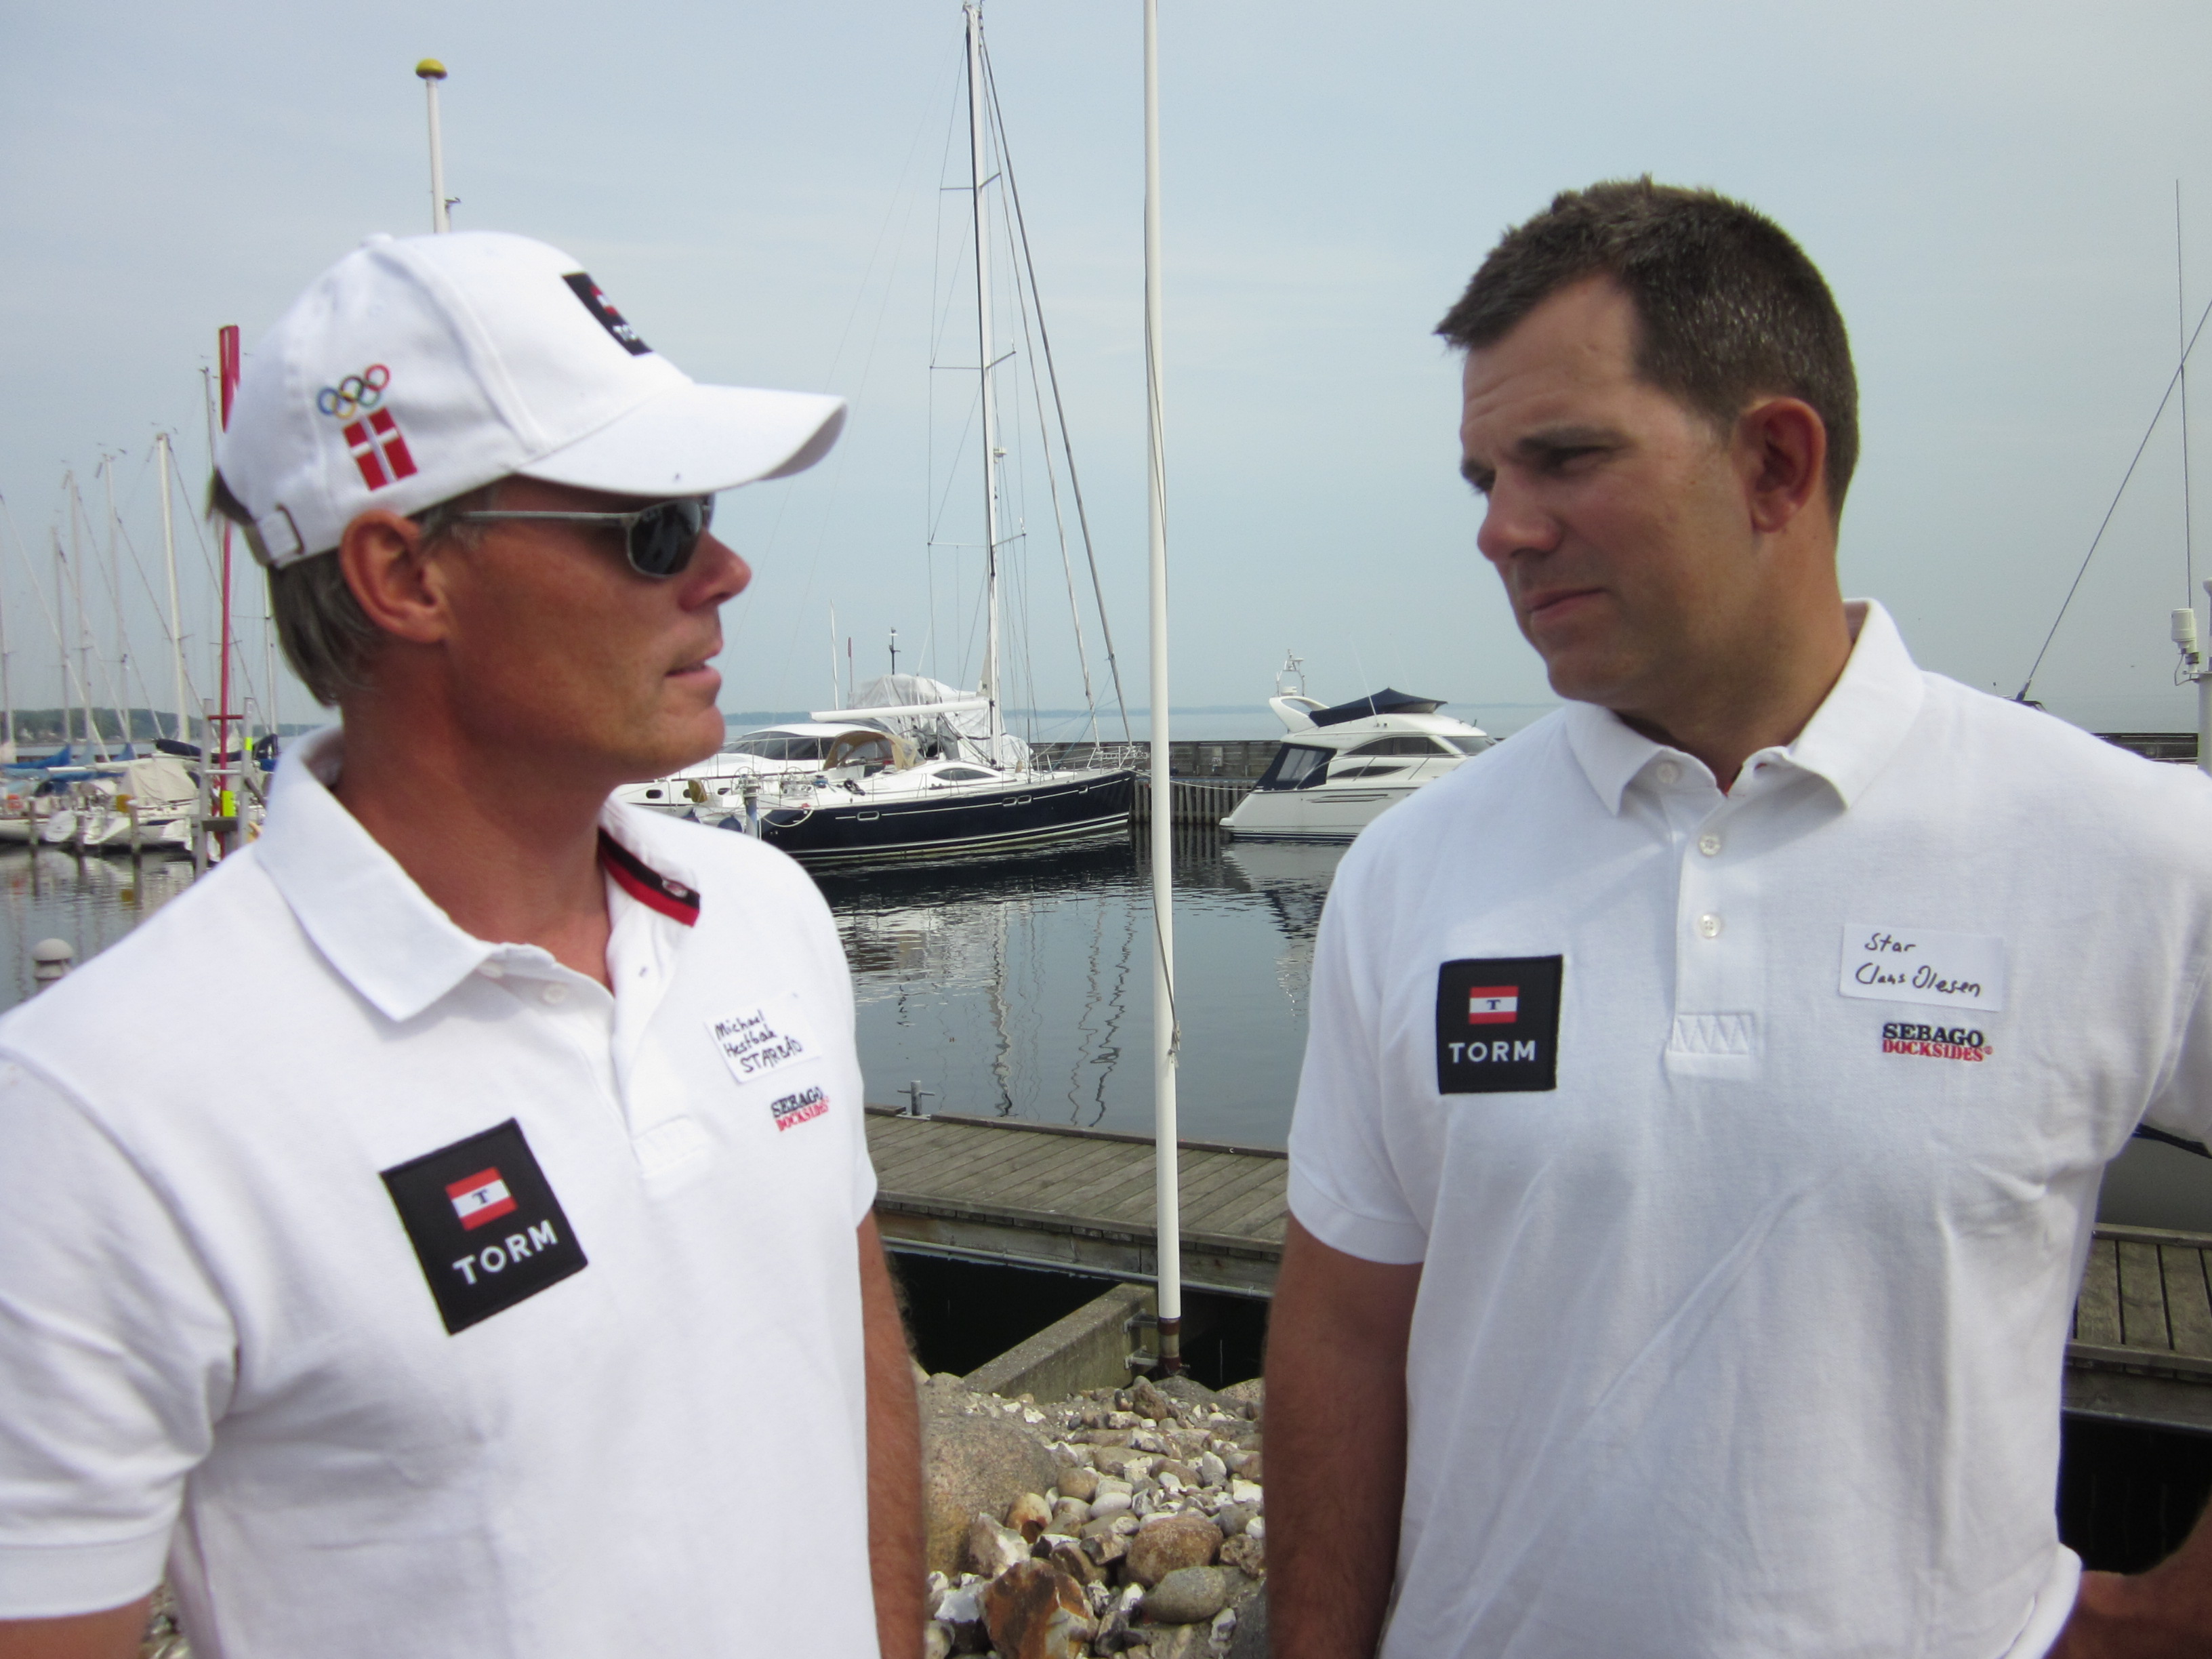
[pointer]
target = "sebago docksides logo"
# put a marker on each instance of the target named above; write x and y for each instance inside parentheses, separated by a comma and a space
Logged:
(1933, 1042)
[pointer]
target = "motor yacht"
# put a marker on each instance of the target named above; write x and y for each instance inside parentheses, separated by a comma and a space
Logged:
(1341, 767)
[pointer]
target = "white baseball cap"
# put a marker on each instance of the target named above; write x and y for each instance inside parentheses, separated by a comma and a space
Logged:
(418, 368)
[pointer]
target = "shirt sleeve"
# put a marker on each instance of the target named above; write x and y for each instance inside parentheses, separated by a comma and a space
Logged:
(1343, 1188)
(116, 1359)
(2182, 1103)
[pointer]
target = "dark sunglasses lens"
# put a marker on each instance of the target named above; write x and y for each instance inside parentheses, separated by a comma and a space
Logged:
(662, 542)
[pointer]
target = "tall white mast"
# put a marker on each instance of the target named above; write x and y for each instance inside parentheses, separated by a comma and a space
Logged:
(1167, 1038)
(431, 71)
(183, 733)
(974, 12)
(115, 586)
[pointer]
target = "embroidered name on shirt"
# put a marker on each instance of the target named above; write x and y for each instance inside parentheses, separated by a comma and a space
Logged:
(1933, 1042)
(1497, 1025)
(485, 1224)
(1919, 964)
(790, 1110)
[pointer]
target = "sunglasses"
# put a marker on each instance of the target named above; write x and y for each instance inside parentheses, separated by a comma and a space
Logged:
(660, 540)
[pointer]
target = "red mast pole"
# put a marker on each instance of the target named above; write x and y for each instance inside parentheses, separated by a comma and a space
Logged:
(227, 356)
(226, 359)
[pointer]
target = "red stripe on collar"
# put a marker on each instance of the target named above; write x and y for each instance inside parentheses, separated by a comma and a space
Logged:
(646, 884)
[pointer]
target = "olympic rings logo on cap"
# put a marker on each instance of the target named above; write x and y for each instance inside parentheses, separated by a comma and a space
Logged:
(355, 394)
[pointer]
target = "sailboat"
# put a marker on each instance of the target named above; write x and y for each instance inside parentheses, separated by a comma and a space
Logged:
(954, 781)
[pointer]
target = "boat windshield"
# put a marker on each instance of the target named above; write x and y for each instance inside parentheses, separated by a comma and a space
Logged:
(1296, 766)
(1403, 744)
(1470, 745)
(777, 747)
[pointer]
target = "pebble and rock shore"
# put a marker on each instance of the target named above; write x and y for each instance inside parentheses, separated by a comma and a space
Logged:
(1123, 1520)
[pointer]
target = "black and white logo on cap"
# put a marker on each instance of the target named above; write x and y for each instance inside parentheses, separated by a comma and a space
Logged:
(1497, 1025)
(602, 308)
(484, 1224)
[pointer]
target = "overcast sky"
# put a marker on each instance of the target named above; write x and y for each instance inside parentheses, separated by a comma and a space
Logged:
(1991, 194)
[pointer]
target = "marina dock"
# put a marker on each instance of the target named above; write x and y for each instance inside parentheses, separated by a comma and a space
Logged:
(1021, 1193)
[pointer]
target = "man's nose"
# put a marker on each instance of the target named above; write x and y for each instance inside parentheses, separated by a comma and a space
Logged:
(717, 574)
(1514, 521)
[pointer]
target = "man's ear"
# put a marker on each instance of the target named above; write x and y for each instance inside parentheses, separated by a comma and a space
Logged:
(392, 577)
(1782, 456)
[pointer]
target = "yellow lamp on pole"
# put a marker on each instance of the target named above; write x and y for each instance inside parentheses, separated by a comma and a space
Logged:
(431, 71)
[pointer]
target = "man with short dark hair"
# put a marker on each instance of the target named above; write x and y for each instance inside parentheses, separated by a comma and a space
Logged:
(1710, 1086)
(467, 1249)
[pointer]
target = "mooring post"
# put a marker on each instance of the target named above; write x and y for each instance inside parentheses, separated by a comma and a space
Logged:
(51, 959)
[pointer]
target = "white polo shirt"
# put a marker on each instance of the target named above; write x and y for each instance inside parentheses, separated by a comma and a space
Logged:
(1750, 1145)
(411, 1295)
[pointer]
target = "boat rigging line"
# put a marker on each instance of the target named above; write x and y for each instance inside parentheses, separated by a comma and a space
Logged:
(1067, 446)
(2172, 382)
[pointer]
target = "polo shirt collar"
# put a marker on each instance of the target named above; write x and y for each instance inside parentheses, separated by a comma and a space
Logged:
(365, 913)
(1850, 737)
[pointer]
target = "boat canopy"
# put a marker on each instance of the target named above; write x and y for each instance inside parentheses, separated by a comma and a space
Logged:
(945, 719)
(1385, 702)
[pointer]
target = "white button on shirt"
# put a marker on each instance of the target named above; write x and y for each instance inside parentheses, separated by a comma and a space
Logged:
(219, 1342)
(1746, 1338)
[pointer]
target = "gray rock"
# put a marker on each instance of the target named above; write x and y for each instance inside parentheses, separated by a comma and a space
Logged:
(1030, 1515)
(1146, 1400)
(1179, 1641)
(972, 1465)
(1190, 1595)
(1188, 1390)
(1168, 1542)
(1251, 1639)
(1249, 1396)
(1248, 1554)
(992, 1548)
(1081, 1483)
(1068, 1515)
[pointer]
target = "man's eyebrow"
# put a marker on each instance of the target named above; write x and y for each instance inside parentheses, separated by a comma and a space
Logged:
(1554, 439)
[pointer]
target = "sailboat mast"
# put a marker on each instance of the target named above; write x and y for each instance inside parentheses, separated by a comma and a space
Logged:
(974, 12)
(122, 687)
(176, 619)
(1167, 1193)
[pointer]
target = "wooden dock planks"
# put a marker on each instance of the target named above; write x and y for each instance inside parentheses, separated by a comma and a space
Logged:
(1047, 1196)
(1081, 1201)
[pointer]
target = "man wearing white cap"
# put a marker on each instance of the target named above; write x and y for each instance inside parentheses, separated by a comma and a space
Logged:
(470, 1251)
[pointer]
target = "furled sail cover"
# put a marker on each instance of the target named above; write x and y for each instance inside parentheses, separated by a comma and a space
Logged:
(963, 731)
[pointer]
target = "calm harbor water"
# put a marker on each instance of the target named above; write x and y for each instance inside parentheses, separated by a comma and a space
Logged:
(1023, 987)
(1018, 987)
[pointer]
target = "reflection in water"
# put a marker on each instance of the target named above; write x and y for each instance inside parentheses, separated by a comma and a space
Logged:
(1023, 988)
(90, 902)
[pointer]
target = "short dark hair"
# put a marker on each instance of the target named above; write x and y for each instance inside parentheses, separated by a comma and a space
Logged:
(1727, 307)
(327, 637)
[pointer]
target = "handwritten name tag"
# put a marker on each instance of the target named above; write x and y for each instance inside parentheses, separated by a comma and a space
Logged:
(1918, 964)
(760, 1043)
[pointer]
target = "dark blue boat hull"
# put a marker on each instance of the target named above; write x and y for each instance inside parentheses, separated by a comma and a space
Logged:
(1034, 812)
